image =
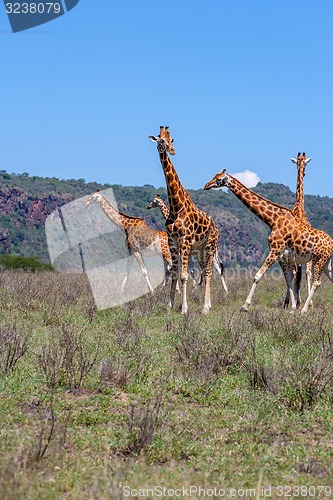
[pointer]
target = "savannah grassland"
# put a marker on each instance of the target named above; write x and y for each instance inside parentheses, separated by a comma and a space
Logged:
(140, 396)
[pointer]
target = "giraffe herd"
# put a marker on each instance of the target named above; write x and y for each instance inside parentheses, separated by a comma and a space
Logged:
(191, 232)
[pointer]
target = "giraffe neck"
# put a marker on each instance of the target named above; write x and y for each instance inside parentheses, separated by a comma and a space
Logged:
(118, 218)
(177, 194)
(298, 210)
(164, 208)
(266, 210)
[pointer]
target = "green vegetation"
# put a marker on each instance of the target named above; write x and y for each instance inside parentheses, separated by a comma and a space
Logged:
(27, 201)
(26, 263)
(47, 186)
(139, 396)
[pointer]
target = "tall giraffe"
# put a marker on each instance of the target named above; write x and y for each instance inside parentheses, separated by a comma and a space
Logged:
(190, 230)
(158, 201)
(299, 212)
(139, 237)
(291, 242)
(298, 209)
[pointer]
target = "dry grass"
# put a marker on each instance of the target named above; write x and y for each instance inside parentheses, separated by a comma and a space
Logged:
(141, 396)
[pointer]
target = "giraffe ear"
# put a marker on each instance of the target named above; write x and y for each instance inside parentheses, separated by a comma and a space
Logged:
(153, 138)
(293, 160)
(307, 160)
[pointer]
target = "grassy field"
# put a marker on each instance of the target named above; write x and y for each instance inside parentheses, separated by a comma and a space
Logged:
(99, 405)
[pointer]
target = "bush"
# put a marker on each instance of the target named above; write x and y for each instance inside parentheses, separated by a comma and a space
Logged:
(26, 263)
(13, 346)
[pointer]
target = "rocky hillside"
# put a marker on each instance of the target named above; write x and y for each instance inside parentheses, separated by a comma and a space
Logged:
(26, 201)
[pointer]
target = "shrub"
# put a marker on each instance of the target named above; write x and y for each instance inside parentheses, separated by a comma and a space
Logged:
(67, 359)
(13, 345)
(26, 263)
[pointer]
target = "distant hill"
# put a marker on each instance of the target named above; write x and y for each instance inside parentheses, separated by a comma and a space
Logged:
(26, 201)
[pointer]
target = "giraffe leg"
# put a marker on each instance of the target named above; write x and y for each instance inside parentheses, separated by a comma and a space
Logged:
(208, 278)
(297, 277)
(185, 251)
(287, 297)
(194, 273)
(288, 275)
(309, 271)
(167, 273)
(141, 263)
(328, 270)
(270, 259)
(218, 264)
(174, 273)
(206, 264)
(297, 285)
(309, 299)
(128, 270)
(317, 268)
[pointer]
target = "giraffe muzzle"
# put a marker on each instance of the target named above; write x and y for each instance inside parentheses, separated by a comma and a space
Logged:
(210, 185)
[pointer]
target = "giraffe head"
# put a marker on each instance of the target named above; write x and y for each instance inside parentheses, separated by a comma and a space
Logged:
(93, 198)
(301, 161)
(218, 181)
(164, 141)
(155, 202)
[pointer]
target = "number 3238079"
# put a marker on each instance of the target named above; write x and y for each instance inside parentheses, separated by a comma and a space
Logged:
(33, 8)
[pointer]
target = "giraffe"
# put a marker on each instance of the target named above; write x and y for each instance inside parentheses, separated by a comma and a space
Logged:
(290, 240)
(139, 237)
(298, 209)
(190, 230)
(299, 212)
(158, 201)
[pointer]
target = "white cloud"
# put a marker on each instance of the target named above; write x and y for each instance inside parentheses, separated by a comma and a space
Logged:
(250, 179)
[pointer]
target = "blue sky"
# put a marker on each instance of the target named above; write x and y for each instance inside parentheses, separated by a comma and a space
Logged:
(243, 85)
